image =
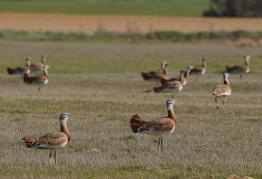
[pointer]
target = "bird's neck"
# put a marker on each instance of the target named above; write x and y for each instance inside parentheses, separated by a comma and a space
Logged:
(43, 61)
(171, 113)
(186, 74)
(226, 82)
(204, 64)
(246, 63)
(45, 73)
(164, 70)
(27, 63)
(64, 129)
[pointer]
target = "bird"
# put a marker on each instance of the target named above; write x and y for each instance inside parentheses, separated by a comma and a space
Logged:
(159, 127)
(239, 69)
(36, 67)
(184, 80)
(173, 86)
(51, 141)
(222, 90)
(164, 81)
(199, 71)
(156, 75)
(37, 79)
(17, 70)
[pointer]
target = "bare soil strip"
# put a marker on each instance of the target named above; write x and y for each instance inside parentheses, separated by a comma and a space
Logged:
(122, 24)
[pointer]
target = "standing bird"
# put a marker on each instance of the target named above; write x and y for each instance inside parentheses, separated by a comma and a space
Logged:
(37, 79)
(222, 90)
(51, 141)
(173, 86)
(156, 75)
(199, 71)
(158, 127)
(37, 67)
(239, 69)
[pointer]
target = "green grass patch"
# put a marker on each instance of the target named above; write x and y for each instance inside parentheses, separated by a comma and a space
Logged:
(109, 7)
(166, 36)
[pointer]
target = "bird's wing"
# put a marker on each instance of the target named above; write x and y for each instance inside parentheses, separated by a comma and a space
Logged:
(54, 138)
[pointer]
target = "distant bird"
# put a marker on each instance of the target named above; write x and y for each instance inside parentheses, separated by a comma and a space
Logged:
(37, 67)
(239, 69)
(156, 75)
(38, 80)
(222, 90)
(173, 86)
(165, 81)
(183, 80)
(199, 71)
(51, 141)
(159, 127)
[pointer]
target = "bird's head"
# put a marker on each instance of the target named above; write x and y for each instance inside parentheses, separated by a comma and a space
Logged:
(164, 65)
(170, 103)
(63, 117)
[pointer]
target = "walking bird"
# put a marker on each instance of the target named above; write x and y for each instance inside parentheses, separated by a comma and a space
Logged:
(159, 127)
(199, 71)
(156, 75)
(222, 90)
(51, 141)
(239, 69)
(38, 80)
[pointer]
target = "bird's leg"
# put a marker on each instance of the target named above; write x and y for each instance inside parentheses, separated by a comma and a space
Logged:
(55, 156)
(224, 100)
(241, 76)
(159, 145)
(161, 140)
(50, 156)
(39, 88)
(216, 101)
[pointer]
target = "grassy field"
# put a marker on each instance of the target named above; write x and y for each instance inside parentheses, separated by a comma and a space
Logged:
(99, 84)
(119, 7)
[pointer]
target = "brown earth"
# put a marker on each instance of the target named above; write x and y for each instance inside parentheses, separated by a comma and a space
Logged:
(142, 24)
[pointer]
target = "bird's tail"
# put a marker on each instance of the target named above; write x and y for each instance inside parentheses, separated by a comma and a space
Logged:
(11, 71)
(29, 141)
(136, 122)
(144, 75)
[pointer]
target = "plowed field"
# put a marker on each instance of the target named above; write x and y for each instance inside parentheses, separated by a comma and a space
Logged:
(141, 24)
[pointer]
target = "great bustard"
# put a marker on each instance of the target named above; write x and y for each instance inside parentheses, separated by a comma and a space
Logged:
(239, 69)
(38, 80)
(222, 90)
(156, 75)
(158, 127)
(199, 71)
(51, 141)
(172, 86)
